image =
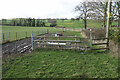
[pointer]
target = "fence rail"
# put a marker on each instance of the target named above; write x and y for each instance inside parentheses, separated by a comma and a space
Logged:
(77, 43)
(46, 42)
(73, 41)
(63, 37)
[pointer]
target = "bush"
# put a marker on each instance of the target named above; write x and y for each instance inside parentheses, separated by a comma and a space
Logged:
(53, 22)
(96, 32)
(114, 35)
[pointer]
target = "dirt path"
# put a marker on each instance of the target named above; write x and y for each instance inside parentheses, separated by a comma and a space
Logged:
(19, 46)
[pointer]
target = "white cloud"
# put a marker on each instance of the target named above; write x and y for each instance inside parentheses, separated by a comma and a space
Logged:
(38, 8)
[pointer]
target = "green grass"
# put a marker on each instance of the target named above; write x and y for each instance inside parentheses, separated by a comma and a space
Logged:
(70, 24)
(79, 24)
(49, 63)
(21, 31)
(68, 33)
(61, 64)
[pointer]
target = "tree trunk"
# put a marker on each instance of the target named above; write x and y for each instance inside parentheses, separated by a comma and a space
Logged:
(85, 23)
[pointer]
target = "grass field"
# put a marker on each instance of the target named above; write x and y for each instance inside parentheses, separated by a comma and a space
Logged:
(49, 63)
(61, 64)
(21, 31)
(80, 24)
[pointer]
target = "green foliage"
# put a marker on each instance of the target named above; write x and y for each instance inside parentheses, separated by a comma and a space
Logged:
(115, 35)
(49, 63)
(25, 22)
(53, 22)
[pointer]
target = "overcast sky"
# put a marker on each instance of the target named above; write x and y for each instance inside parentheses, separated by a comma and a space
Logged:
(38, 8)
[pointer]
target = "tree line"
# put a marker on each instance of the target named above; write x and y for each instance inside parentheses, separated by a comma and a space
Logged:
(27, 22)
(32, 22)
(97, 10)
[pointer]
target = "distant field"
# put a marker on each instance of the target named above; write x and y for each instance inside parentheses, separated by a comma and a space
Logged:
(76, 24)
(70, 24)
(47, 63)
(80, 24)
(21, 31)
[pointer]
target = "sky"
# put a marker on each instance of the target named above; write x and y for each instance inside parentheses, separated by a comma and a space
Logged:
(38, 8)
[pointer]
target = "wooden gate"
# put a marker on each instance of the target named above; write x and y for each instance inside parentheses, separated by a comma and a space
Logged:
(70, 42)
(62, 42)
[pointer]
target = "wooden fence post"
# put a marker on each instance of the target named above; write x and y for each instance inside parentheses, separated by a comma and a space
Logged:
(107, 46)
(26, 34)
(9, 35)
(47, 31)
(16, 47)
(63, 29)
(75, 40)
(32, 42)
(58, 42)
(38, 32)
(32, 32)
(44, 41)
(3, 37)
(90, 38)
(16, 35)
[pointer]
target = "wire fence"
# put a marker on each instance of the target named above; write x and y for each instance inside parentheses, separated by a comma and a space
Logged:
(13, 36)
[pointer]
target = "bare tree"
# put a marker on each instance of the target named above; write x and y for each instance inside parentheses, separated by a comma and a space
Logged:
(100, 9)
(84, 11)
